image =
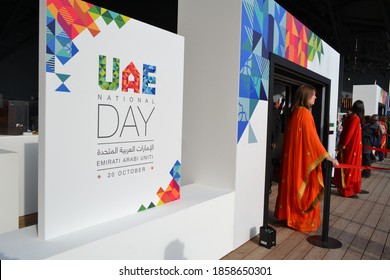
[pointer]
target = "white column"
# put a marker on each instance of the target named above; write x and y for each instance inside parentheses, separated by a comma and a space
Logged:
(9, 191)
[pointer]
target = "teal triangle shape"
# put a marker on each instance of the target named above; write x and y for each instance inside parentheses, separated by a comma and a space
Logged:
(63, 77)
(251, 136)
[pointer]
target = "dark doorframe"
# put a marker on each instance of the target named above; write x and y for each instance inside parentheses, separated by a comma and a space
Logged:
(293, 75)
(381, 109)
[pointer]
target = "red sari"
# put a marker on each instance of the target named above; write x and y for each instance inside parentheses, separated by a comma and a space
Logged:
(349, 180)
(301, 183)
(384, 136)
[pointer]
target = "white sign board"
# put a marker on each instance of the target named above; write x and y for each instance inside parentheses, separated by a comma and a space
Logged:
(111, 123)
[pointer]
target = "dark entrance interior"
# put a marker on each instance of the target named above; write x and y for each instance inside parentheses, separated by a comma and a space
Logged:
(381, 109)
(285, 78)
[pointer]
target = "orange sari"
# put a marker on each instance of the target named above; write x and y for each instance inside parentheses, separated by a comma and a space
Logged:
(349, 180)
(301, 184)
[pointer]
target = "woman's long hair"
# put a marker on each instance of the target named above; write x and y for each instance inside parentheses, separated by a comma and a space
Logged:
(358, 110)
(302, 97)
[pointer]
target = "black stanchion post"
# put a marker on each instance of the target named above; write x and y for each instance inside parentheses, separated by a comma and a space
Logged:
(324, 241)
(326, 209)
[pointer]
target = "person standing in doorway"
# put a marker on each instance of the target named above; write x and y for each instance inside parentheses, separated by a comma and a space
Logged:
(349, 149)
(274, 136)
(301, 182)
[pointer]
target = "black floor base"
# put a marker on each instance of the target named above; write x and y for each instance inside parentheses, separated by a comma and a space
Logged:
(332, 243)
(364, 192)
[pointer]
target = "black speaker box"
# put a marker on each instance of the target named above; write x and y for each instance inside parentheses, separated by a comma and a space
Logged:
(267, 237)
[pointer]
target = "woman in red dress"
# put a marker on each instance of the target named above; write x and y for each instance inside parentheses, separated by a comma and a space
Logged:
(301, 184)
(383, 126)
(349, 180)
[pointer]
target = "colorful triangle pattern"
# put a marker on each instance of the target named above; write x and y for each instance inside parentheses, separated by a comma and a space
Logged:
(267, 28)
(171, 192)
(63, 87)
(65, 20)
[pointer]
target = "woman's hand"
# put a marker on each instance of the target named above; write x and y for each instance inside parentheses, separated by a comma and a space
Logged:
(334, 161)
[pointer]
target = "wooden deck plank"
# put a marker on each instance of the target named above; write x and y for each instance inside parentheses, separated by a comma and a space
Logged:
(377, 187)
(335, 232)
(287, 246)
(361, 225)
(356, 249)
(385, 194)
(343, 206)
(318, 253)
(367, 184)
(363, 213)
(243, 250)
(384, 221)
(386, 250)
(345, 238)
(354, 207)
(375, 245)
(335, 200)
(261, 253)
(372, 181)
(300, 251)
(337, 227)
(375, 215)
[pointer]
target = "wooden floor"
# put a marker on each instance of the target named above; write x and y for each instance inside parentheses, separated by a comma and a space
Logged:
(362, 226)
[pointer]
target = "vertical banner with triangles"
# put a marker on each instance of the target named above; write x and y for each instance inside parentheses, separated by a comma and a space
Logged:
(112, 116)
(268, 28)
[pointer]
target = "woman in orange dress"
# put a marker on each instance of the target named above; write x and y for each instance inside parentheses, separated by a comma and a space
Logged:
(383, 125)
(349, 180)
(301, 184)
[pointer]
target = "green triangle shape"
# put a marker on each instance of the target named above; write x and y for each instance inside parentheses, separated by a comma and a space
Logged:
(142, 208)
(311, 53)
(107, 17)
(120, 22)
(95, 10)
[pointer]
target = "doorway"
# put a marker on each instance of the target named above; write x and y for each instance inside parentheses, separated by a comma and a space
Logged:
(381, 109)
(285, 78)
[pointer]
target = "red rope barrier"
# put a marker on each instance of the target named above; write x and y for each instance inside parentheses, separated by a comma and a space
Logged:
(342, 165)
(376, 149)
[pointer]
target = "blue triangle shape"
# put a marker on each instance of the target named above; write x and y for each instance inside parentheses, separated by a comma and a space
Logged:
(241, 128)
(63, 88)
